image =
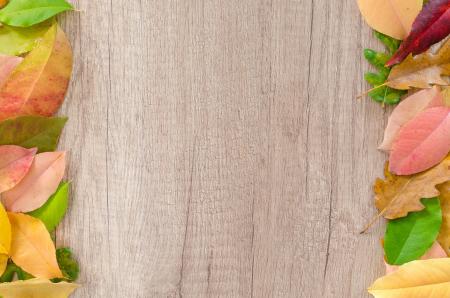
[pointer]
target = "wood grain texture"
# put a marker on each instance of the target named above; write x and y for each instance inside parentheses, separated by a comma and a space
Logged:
(218, 150)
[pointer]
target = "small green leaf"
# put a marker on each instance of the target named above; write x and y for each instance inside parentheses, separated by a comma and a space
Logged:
(16, 41)
(32, 132)
(68, 265)
(12, 270)
(408, 238)
(53, 211)
(26, 13)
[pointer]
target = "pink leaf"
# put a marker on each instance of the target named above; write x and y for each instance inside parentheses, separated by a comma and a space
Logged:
(422, 143)
(7, 65)
(15, 162)
(407, 110)
(38, 185)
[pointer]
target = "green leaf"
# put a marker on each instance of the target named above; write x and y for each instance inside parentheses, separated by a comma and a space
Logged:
(53, 211)
(17, 41)
(26, 13)
(12, 270)
(32, 132)
(409, 238)
(68, 265)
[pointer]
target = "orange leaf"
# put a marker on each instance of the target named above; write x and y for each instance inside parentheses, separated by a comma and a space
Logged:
(15, 162)
(38, 85)
(7, 65)
(32, 247)
(39, 184)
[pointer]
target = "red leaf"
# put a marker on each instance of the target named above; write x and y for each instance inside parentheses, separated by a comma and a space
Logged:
(431, 26)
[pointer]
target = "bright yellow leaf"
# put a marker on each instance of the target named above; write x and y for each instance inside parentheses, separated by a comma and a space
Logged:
(36, 288)
(5, 239)
(32, 248)
(417, 279)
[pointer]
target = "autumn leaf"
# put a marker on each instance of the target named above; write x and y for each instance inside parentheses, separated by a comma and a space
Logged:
(393, 18)
(38, 85)
(422, 71)
(7, 65)
(32, 247)
(430, 27)
(417, 279)
(398, 195)
(15, 162)
(3, 3)
(406, 110)
(444, 234)
(421, 143)
(408, 238)
(53, 211)
(32, 131)
(5, 239)
(17, 41)
(25, 13)
(37, 288)
(38, 185)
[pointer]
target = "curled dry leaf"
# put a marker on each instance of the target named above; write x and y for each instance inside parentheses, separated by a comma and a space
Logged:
(7, 65)
(39, 184)
(38, 85)
(15, 162)
(430, 27)
(398, 195)
(37, 288)
(422, 143)
(417, 279)
(422, 71)
(5, 239)
(32, 248)
(406, 110)
(390, 17)
(444, 233)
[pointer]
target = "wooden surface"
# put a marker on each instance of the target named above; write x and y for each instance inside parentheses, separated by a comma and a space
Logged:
(218, 150)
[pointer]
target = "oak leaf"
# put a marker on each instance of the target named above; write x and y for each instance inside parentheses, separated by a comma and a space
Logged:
(38, 85)
(397, 195)
(417, 279)
(38, 185)
(37, 288)
(32, 248)
(422, 71)
(390, 17)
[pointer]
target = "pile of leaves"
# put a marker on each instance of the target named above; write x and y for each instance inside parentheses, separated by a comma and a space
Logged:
(414, 196)
(35, 70)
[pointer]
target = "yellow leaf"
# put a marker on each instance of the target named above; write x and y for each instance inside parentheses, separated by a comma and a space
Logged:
(36, 288)
(422, 71)
(32, 248)
(391, 17)
(3, 263)
(417, 279)
(444, 233)
(398, 195)
(5, 239)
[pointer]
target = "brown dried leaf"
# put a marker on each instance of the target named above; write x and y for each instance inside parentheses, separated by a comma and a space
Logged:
(444, 234)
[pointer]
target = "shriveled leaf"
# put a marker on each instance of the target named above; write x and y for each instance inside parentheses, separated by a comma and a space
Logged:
(409, 238)
(32, 132)
(68, 264)
(25, 13)
(7, 65)
(18, 41)
(32, 247)
(422, 71)
(55, 208)
(421, 143)
(417, 279)
(406, 110)
(430, 27)
(37, 288)
(398, 195)
(38, 85)
(15, 162)
(390, 17)
(38, 185)
(444, 234)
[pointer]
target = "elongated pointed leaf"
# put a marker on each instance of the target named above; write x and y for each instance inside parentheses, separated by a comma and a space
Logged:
(55, 208)
(38, 85)
(430, 27)
(38, 185)
(422, 143)
(17, 41)
(32, 132)
(25, 13)
(32, 247)
(409, 238)
(15, 163)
